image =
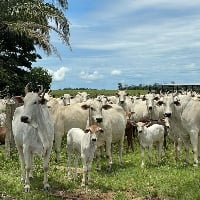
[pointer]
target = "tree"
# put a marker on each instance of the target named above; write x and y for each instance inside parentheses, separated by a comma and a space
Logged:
(39, 76)
(35, 19)
(120, 86)
(23, 25)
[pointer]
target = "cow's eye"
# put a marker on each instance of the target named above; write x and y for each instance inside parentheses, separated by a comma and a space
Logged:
(35, 102)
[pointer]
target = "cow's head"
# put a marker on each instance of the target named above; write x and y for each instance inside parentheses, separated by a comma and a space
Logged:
(170, 101)
(150, 101)
(94, 131)
(95, 111)
(121, 94)
(32, 107)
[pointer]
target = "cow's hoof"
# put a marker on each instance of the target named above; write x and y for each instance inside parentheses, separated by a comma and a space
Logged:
(27, 188)
(195, 164)
(46, 187)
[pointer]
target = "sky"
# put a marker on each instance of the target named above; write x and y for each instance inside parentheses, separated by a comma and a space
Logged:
(127, 41)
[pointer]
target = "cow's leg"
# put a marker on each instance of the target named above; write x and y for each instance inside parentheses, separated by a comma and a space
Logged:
(150, 153)
(89, 171)
(194, 141)
(69, 162)
(199, 145)
(131, 143)
(177, 146)
(121, 143)
(186, 145)
(109, 155)
(128, 143)
(32, 166)
(76, 165)
(58, 140)
(142, 155)
(28, 159)
(22, 162)
(84, 172)
(160, 145)
(98, 156)
(45, 168)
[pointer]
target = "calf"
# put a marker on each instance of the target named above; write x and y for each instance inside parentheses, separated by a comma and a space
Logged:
(149, 136)
(165, 122)
(84, 143)
(129, 132)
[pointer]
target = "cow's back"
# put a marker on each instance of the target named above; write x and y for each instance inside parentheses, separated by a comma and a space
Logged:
(156, 132)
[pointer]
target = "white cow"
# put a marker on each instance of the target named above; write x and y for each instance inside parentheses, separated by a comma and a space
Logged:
(112, 99)
(147, 107)
(124, 101)
(139, 110)
(65, 118)
(67, 99)
(149, 136)
(33, 132)
(83, 143)
(113, 121)
(184, 114)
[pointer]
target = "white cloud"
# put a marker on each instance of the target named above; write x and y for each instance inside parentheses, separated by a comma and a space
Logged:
(59, 74)
(145, 42)
(116, 72)
(91, 76)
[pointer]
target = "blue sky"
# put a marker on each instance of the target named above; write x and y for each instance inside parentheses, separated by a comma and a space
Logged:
(127, 41)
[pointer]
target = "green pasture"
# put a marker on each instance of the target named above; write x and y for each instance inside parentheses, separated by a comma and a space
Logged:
(170, 180)
(94, 92)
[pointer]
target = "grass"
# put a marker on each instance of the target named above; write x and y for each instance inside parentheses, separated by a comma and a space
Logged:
(95, 92)
(170, 180)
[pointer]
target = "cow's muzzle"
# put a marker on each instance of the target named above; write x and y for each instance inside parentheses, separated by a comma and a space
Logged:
(150, 108)
(24, 119)
(167, 114)
(99, 120)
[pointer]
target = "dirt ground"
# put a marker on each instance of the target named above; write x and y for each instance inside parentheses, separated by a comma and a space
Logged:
(84, 195)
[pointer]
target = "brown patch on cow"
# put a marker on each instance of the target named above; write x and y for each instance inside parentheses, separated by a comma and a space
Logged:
(3, 131)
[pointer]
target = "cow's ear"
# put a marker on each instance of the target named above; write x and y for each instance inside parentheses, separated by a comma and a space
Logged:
(177, 103)
(85, 106)
(106, 107)
(144, 98)
(87, 130)
(156, 98)
(100, 130)
(18, 99)
(159, 103)
(42, 101)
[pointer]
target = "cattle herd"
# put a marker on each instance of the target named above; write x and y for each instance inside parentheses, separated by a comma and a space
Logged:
(92, 125)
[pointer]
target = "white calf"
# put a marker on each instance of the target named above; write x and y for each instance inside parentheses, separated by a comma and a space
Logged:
(149, 136)
(84, 143)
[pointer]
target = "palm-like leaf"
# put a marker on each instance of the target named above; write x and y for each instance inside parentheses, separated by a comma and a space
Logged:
(36, 19)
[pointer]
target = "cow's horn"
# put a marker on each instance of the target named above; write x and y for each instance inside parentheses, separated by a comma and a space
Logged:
(40, 90)
(26, 88)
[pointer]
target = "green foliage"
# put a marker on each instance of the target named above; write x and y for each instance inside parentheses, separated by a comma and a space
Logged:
(40, 76)
(16, 80)
(35, 19)
(23, 25)
(170, 180)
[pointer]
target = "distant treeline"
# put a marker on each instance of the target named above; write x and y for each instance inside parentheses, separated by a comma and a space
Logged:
(132, 89)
